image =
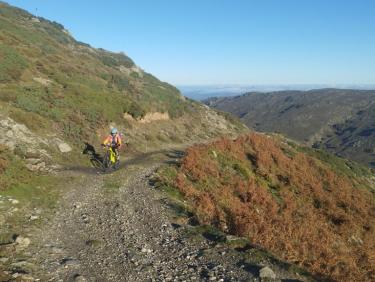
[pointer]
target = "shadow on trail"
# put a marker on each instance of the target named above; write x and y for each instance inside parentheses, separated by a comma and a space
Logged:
(169, 156)
(95, 158)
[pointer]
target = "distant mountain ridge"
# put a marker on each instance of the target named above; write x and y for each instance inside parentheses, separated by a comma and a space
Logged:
(339, 120)
(202, 92)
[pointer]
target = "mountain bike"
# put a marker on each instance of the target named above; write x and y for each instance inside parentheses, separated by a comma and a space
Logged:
(110, 160)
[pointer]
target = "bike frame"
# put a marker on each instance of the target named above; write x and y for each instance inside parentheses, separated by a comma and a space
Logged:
(110, 160)
(112, 155)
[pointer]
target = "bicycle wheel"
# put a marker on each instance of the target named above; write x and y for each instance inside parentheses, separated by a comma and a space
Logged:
(106, 161)
(116, 165)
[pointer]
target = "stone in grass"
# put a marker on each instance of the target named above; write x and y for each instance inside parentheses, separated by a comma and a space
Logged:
(33, 217)
(23, 277)
(267, 273)
(79, 278)
(145, 250)
(64, 148)
(4, 260)
(22, 267)
(22, 242)
(14, 202)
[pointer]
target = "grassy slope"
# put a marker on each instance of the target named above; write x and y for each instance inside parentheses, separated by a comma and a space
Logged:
(82, 88)
(54, 84)
(306, 206)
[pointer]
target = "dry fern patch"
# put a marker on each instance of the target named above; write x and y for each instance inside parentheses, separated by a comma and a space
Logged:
(317, 212)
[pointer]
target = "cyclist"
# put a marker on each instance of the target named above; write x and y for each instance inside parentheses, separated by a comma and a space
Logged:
(113, 140)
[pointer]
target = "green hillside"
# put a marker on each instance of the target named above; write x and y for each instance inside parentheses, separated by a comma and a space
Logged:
(46, 71)
(50, 80)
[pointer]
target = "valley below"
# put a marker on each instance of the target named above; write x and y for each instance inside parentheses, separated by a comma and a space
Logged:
(340, 121)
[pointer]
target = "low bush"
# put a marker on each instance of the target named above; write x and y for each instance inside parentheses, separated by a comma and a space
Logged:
(135, 110)
(12, 64)
(114, 59)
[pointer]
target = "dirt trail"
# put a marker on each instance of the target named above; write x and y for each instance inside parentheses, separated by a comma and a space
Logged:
(105, 233)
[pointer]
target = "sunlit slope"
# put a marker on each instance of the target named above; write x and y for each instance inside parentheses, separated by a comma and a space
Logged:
(305, 206)
(50, 80)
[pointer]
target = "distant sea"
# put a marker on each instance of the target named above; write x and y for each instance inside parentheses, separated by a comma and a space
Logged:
(201, 92)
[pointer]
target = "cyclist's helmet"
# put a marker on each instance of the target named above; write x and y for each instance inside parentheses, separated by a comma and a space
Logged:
(114, 131)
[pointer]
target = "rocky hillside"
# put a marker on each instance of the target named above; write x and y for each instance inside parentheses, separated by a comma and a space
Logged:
(340, 121)
(57, 92)
(303, 205)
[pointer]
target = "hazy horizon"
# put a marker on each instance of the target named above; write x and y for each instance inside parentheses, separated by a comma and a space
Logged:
(201, 92)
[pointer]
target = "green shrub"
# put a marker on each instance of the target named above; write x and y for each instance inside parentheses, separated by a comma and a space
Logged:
(32, 121)
(12, 64)
(31, 103)
(72, 130)
(56, 114)
(120, 81)
(136, 111)
(134, 74)
(115, 59)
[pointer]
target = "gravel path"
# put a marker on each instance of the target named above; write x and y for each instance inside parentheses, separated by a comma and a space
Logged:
(101, 233)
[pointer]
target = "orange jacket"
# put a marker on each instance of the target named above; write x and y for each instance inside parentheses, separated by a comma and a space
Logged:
(113, 140)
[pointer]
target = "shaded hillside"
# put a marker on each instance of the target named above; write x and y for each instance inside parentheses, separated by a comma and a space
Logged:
(338, 120)
(307, 207)
(354, 138)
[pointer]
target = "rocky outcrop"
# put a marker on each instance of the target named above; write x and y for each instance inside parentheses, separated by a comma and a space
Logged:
(13, 134)
(133, 69)
(149, 117)
(42, 81)
(30, 146)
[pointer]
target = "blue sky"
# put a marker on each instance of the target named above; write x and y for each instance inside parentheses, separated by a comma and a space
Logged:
(229, 42)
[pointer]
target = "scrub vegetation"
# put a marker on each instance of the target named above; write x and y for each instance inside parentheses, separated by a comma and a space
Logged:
(307, 207)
